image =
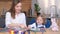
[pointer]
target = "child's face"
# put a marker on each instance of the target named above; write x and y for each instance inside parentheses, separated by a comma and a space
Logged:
(39, 20)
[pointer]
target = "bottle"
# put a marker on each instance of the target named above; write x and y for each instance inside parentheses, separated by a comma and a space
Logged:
(12, 32)
(16, 31)
(21, 32)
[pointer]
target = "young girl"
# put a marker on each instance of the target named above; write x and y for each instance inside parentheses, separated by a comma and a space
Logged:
(42, 22)
(38, 24)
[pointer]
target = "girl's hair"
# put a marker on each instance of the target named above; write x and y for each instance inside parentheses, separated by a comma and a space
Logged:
(12, 9)
(39, 15)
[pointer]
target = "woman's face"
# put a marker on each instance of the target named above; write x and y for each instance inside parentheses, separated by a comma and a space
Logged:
(39, 20)
(18, 7)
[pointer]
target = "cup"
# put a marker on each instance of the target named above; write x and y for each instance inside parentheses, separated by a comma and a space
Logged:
(21, 32)
(11, 32)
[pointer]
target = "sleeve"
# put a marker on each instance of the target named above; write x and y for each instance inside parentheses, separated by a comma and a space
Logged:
(7, 19)
(33, 25)
(24, 19)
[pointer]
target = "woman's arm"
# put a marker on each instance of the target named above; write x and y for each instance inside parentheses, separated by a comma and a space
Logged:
(8, 21)
(12, 25)
(23, 21)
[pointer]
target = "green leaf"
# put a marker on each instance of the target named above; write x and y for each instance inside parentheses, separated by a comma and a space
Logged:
(37, 8)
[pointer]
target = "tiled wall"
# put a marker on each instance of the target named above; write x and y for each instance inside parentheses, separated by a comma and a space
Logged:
(5, 5)
(26, 4)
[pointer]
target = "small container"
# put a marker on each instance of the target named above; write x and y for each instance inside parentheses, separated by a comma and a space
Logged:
(11, 32)
(16, 32)
(21, 32)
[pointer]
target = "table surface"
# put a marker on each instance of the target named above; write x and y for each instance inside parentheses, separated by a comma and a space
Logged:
(47, 32)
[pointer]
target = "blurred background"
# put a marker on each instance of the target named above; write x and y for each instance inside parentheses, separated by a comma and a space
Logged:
(48, 8)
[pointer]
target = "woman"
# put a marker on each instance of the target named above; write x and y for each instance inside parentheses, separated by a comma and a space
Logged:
(14, 18)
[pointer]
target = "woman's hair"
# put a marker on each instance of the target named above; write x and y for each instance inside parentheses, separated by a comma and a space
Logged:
(12, 9)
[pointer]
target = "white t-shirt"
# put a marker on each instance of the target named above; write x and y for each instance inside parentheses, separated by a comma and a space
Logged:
(33, 26)
(20, 19)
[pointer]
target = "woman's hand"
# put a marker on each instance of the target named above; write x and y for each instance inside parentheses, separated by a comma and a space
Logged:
(13, 25)
(29, 27)
(23, 26)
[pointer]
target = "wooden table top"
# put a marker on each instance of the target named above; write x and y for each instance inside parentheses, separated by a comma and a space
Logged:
(47, 32)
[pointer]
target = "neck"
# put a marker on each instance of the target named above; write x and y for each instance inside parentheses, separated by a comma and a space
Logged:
(38, 23)
(17, 12)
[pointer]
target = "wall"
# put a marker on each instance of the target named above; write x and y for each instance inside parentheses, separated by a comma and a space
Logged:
(50, 6)
(5, 5)
(26, 4)
(58, 7)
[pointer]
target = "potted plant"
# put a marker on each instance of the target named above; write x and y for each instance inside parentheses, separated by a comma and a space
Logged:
(37, 8)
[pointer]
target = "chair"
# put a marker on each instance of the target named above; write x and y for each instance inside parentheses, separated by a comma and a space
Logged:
(47, 24)
(2, 22)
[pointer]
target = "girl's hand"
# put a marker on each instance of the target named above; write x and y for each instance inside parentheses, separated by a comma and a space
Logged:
(29, 27)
